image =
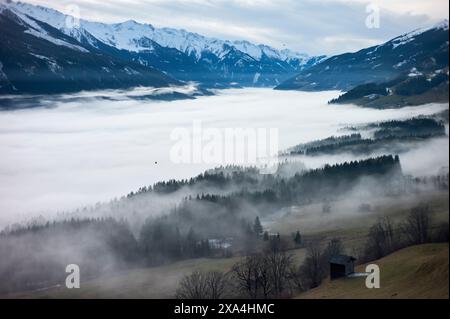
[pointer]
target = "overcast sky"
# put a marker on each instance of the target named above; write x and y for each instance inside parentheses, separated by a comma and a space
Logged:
(310, 26)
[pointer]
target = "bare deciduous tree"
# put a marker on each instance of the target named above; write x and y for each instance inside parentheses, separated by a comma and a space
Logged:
(334, 248)
(417, 225)
(312, 268)
(201, 285)
(381, 240)
(217, 284)
(263, 276)
(193, 286)
(279, 265)
(246, 275)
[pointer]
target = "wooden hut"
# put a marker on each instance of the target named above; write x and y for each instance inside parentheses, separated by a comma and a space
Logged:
(341, 266)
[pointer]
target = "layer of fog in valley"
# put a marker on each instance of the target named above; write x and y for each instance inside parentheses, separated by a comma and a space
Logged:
(90, 149)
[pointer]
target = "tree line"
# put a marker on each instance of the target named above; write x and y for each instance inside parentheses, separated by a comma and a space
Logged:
(385, 133)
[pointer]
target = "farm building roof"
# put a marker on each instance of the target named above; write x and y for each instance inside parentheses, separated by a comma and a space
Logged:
(341, 259)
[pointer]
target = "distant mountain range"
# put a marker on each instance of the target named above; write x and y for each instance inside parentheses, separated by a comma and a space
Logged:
(418, 52)
(40, 52)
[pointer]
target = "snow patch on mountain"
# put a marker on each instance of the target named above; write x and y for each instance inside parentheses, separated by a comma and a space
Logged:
(51, 63)
(39, 56)
(33, 27)
(256, 78)
(59, 42)
(2, 74)
(410, 36)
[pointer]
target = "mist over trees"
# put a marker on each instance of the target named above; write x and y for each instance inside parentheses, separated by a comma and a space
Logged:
(35, 256)
(204, 225)
(381, 136)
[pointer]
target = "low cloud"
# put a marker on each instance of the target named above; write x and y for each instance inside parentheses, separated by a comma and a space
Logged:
(90, 150)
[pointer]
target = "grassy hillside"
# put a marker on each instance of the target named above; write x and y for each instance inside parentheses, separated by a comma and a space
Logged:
(414, 272)
(145, 283)
(352, 226)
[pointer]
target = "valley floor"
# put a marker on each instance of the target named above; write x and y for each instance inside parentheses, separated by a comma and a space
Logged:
(428, 263)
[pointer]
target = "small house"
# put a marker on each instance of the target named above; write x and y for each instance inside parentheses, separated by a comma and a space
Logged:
(341, 266)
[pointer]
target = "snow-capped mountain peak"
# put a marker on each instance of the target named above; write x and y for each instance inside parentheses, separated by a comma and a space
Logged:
(128, 35)
(408, 37)
(178, 53)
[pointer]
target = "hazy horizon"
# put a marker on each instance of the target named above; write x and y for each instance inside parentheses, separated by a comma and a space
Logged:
(91, 150)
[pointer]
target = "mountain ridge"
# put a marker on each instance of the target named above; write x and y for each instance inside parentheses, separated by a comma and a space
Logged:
(424, 49)
(130, 52)
(38, 59)
(184, 55)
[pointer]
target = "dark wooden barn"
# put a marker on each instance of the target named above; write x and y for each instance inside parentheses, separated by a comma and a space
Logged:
(341, 266)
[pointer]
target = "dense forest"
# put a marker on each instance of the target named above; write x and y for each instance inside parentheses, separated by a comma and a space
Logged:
(383, 135)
